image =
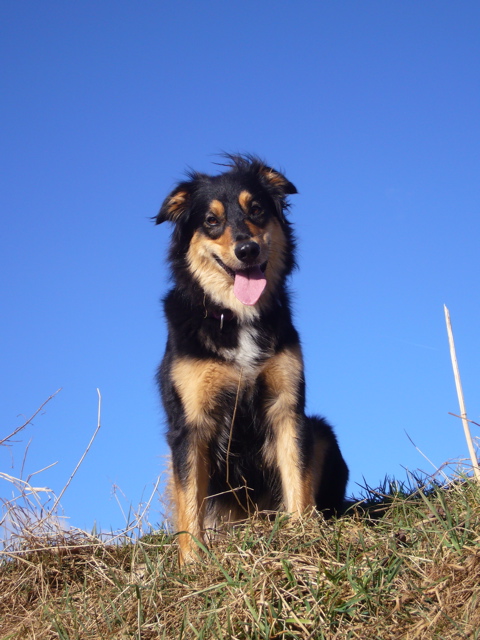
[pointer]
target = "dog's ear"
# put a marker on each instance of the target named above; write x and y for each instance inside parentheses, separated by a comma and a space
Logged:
(277, 181)
(176, 205)
(279, 188)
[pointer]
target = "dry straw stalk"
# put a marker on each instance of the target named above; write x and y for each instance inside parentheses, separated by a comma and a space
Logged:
(458, 384)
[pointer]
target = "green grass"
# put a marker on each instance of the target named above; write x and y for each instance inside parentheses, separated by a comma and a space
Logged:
(404, 565)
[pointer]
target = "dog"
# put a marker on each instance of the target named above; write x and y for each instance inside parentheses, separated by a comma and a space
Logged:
(231, 379)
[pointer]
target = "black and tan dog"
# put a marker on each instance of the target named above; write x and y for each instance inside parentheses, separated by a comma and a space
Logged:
(232, 376)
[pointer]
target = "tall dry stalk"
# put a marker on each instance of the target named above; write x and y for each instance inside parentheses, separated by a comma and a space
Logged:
(458, 384)
(57, 501)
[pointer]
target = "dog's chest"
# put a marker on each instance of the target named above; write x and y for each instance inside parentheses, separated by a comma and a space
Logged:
(250, 352)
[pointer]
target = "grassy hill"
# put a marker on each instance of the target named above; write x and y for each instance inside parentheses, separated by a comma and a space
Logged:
(407, 565)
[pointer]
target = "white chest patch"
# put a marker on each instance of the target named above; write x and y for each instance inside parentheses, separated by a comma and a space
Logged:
(247, 355)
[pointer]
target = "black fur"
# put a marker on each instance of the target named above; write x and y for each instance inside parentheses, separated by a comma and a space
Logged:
(218, 378)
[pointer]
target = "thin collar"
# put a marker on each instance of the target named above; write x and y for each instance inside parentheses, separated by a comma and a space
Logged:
(223, 315)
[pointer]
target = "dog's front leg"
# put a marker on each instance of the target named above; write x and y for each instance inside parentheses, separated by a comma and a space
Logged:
(190, 485)
(199, 385)
(283, 376)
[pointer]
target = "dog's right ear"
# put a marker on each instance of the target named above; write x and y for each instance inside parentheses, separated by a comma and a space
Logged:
(176, 205)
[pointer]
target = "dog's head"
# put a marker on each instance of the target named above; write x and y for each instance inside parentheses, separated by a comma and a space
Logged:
(231, 233)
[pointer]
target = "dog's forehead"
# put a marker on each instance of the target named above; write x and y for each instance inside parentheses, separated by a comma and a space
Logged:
(232, 190)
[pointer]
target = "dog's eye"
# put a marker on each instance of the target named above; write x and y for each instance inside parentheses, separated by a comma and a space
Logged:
(255, 211)
(211, 220)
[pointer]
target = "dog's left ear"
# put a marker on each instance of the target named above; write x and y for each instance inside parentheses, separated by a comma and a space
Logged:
(278, 181)
(176, 205)
(279, 187)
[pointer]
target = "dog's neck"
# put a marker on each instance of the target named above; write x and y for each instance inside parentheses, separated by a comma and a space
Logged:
(222, 315)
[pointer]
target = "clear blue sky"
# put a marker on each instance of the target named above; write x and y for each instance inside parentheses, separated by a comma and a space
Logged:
(371, 108)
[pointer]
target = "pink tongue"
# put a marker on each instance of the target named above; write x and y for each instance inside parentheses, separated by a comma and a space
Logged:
(249, 285)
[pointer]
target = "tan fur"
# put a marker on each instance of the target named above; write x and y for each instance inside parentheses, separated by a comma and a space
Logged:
(190, 501)
(245, 199)
(213, 279)
(218, 283)
(273, 177)
(254, 229)
(217, 208)
(177, 205)
(198, 383)
(282, 374)
(223, 244)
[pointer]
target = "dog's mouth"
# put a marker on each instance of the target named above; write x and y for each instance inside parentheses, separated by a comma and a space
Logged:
(249, 283)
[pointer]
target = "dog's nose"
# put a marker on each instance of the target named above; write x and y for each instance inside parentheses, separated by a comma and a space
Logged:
(247, 251)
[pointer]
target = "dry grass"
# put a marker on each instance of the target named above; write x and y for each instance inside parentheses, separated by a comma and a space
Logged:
(405, 563)
(405, 568)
